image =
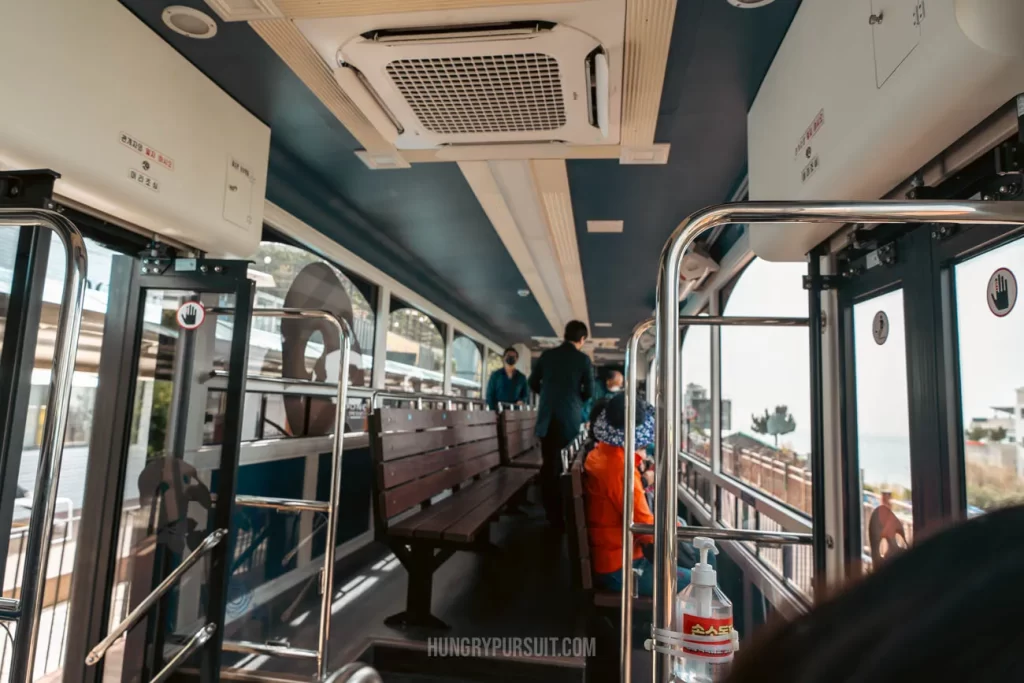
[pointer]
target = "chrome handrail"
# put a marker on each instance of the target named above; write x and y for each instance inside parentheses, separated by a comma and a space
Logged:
(208, 543)
(419, 397)
(751, 535)
(37, 543)
(334, 496)
(669, 381)
(198, 639)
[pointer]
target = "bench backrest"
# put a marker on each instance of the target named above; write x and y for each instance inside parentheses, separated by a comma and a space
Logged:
(516, 433)
(420, 454)
(576, 525)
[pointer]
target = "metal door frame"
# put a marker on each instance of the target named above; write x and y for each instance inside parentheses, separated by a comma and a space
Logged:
(26, 203)
(922, 266)
(94, 572)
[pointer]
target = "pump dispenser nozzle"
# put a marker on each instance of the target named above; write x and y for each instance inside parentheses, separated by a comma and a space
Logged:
(703, 573)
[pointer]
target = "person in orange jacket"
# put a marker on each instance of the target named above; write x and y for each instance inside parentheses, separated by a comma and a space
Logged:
(603, 487)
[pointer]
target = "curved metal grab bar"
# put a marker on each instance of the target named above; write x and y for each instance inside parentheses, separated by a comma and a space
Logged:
(69, 322)
(669, 381)
(208, 543)
(334, 495)
(198, 639)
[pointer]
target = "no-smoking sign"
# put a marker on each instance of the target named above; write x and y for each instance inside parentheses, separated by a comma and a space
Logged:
(191, 315)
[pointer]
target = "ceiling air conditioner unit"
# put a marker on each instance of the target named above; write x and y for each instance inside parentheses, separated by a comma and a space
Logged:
(513, 82)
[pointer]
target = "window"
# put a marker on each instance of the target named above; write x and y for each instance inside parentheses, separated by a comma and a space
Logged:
(766, 412)
(696, 374)
(415, 352)
(288, 276)
(883, 426)
(991, 381)
(494, 362)
(467, 365)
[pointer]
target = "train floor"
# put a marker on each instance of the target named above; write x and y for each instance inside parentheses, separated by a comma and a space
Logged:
(522, 590)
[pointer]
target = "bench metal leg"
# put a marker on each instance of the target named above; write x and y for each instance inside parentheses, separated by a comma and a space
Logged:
(513, 508)
(420, 562)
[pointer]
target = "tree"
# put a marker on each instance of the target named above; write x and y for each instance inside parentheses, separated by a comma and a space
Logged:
(976, 433)
(997, 434)
(774, 423)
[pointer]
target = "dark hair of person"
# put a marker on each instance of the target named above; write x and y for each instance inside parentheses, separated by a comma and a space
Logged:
(948, 609)
(575, 331)
(615, 411)
(512, 349)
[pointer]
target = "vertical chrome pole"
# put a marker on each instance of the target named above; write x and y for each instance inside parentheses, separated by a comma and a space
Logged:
(334, 504)
(626, 640)
(51, 450)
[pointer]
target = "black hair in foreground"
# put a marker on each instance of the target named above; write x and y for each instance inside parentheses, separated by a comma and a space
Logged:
(947, 610)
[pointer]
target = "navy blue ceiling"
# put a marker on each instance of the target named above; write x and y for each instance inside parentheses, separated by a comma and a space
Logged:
(424, 227)
(718, 58)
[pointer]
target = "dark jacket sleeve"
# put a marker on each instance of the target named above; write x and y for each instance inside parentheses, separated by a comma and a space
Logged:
(492, 391)
(587, 388)
(537, 374)
(522, 391)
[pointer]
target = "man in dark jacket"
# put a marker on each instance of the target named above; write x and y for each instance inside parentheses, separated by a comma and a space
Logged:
(507, 385)
(564, 379)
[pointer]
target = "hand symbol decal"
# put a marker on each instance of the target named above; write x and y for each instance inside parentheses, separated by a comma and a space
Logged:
(1001, 297)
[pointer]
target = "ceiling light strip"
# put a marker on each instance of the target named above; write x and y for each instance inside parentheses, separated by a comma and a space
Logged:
(292, 47)
(648, 36)
(481, 180)
(324, 9)
(552, 181)
(511, 152)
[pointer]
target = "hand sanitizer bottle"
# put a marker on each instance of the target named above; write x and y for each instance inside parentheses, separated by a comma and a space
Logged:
(705, 615)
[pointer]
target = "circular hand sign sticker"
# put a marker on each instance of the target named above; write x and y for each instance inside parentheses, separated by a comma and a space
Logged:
(1002, 292)
(191, 315)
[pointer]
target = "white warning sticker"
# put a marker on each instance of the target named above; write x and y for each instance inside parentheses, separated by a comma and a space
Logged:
(191, 315)
(1001, 292)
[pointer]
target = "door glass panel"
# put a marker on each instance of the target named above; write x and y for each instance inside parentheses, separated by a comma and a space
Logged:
(64, 532)
(166, 505)
(991, 333)
(883, 426)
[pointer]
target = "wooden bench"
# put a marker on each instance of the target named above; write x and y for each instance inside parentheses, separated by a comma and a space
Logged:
(579, 543)
(520, 446)
(438, 485)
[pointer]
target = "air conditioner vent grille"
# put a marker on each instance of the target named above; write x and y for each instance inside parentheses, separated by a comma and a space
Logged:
(507, 93)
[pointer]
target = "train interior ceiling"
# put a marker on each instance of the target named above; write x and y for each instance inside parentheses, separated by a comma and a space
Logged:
(278, 221)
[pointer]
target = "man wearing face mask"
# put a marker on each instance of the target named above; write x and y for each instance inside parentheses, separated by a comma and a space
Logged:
(507, 385)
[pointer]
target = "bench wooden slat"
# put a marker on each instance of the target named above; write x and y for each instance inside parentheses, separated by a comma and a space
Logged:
(395, 472)
(534, 459)
(509, 483)
(439, 516)
(408, 419)
(403, 497)
(398, 445)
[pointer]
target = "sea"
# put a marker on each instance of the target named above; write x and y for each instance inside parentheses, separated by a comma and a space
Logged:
(883, 459)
